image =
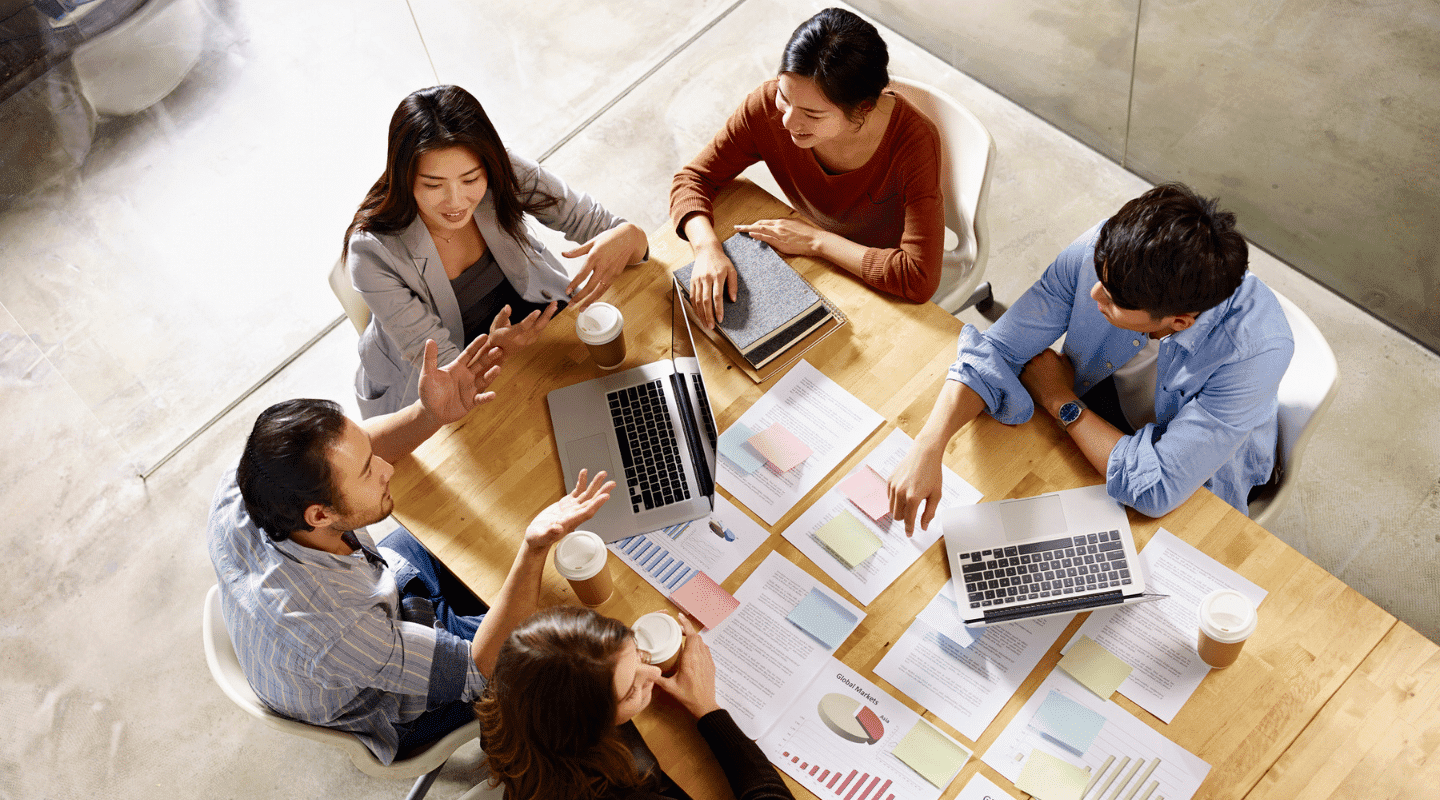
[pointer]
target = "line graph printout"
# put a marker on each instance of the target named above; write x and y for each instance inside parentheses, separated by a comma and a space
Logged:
(837, 737)
(966, 685)
(715, 545)
(897, 552)
(1124, 752)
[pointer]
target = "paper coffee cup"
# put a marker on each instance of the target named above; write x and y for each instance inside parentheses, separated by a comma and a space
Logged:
(660, 638)
(1227, 618)
(602, 328)
(583, 559)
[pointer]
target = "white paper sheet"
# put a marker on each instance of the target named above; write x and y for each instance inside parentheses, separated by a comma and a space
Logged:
(966, 686)
(1178, 773)
(762, 661)
(828, 419)
(1158, 638)
(668, 557)
(832, 766)
(898, 552)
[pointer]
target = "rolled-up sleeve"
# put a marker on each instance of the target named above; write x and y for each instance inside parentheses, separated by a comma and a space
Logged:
(990, 362)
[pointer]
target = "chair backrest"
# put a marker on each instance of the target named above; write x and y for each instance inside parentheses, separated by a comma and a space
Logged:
(1308, 386)
(966, 151)
(350, 300)
(225, 668)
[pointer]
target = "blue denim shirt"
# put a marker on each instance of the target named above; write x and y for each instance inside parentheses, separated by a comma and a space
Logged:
(1215, 397)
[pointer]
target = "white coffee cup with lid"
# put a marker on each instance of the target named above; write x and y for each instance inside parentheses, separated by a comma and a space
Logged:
(1227, 618)
(602, 328)
(660, 638)
(582, 559)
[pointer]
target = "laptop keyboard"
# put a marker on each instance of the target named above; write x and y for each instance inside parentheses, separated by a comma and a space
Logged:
(1040, 570)
(647, 446)
(705, 408)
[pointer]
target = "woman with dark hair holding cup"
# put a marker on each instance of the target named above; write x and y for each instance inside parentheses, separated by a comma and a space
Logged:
(555, 716)
(439, 247)
(860, 164)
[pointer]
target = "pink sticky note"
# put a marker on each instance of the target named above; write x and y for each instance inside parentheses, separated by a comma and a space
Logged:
(781, 448)
(868, 491)
(705, 600)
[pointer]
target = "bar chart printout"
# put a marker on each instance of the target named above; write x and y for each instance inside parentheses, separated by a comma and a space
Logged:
(836, 740)
(669, 557)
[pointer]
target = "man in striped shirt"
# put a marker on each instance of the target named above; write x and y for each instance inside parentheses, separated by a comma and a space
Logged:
(328, 627)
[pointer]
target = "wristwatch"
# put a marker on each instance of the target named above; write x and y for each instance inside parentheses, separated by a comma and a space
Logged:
(1070, 412)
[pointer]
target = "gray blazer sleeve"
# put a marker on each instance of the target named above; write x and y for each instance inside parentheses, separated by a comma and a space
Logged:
(575, 214)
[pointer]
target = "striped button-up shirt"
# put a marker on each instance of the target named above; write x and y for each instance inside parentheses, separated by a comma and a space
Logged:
(320, 636)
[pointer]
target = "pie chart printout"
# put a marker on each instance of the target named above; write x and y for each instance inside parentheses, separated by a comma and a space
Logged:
(848, 719)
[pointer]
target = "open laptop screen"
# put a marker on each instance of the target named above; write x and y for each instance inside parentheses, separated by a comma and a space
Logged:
(691, 392)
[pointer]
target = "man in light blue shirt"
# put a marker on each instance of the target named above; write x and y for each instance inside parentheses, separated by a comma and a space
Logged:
(1172, 359)
(329, 629)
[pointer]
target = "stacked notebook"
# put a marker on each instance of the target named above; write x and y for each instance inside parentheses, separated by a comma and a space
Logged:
(774, 310)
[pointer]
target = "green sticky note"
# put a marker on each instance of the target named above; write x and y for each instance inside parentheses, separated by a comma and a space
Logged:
(849, 539)
(1049, 778)
(1096, 668)
(928, 751)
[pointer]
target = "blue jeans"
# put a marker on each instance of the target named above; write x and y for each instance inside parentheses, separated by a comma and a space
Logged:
(455, 607)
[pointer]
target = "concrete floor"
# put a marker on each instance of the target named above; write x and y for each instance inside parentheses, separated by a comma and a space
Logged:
(184, 259)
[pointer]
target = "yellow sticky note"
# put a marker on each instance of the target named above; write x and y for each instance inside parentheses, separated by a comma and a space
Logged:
(1096, 668)
(848, 538)
(1049, 778)
(928, 751)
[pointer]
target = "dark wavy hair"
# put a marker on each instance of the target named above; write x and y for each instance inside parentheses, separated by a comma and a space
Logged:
(547, 716)
(285, 468)
(1169, 252)
(844, 55)
(434, 119)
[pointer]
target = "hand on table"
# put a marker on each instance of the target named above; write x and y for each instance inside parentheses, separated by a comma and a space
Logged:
(569, 512)
(916, 481)
(713, 279)
(793, 237)
(512, 337)
(1050, 379)
(693, 684)
(448, 393)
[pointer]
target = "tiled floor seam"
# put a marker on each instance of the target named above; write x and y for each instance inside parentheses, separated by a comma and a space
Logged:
(654, 68)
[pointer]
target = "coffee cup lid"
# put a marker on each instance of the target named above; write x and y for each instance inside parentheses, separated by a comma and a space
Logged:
(598, 324)
(1227, 616)
(658, 634)
(580, 555)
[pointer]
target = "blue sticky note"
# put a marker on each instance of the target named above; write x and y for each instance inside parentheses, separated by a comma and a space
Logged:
(823, 619)
(735, 448)
(1067, 723)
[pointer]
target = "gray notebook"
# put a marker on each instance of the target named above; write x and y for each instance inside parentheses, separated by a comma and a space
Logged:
(774, 307)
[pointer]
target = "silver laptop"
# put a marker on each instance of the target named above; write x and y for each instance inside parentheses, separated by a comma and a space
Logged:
(651, 429)
(1058, 553)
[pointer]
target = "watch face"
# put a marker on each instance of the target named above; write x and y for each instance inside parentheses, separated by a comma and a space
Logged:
(1069, 413)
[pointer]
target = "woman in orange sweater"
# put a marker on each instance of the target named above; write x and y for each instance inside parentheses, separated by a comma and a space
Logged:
(860, 164)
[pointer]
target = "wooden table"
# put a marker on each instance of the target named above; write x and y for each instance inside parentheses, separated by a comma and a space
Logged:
(469, 492)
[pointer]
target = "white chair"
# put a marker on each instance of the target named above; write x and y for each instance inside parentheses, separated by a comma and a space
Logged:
(1306, 390)
(225, 667)
(966, 150)
(350, 300)
(135, 64)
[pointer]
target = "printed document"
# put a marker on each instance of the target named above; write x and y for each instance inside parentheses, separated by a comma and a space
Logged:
(715, 545)
(816, 410)
(897, 552)
(966, 685)
(1158, 638)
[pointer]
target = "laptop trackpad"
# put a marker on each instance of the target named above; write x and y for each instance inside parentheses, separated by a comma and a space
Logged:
(592, 453)
(1033, 517)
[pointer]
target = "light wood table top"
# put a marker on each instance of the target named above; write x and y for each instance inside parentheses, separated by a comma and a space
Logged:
(469, 491)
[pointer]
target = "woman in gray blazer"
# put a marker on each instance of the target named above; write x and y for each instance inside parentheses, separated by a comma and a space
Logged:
(439, 249)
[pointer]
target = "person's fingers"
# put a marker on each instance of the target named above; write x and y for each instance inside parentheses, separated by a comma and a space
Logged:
(482, 399)
(579, 251)
(732, 282)
(502, 319)
(907, 511)
(932, 504)
(432, 355)
(579, 280)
